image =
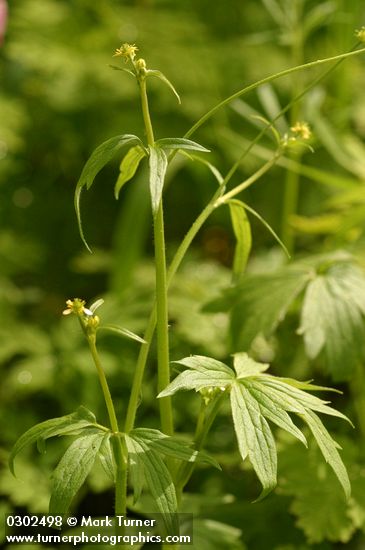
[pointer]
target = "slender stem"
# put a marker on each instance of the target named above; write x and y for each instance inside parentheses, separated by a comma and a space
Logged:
(249, 181)
(119, 446)
(144, 350)
(214, 202)
(292, 181)
(104, 384)
(270, 78)
(161, 287)
(138, 373)
(206, 418)
(162, 323)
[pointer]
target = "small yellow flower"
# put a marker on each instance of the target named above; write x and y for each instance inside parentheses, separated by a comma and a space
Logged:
(360, 34)
(302, 130)
(76, 306)
(127, 51)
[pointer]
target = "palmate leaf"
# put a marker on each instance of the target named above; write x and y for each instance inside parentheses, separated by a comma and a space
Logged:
(256, 396)
(332, 318)
(106, 457)
(145, 447)
(254, 437)
(332, 314)
(70, 424)
(73, 469)
(260, 303)
(148, 464)
(204, 372)
(171, 446)
(319, 503)
(98, 159)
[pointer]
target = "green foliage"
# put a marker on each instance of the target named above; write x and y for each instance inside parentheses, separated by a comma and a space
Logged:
(99, 158)
(72, 470)
(128, 167)
(59, 96)
(332, 313)
(158, 167)
(242, 230)
(254, 394)
(71, 424)
(332, 318)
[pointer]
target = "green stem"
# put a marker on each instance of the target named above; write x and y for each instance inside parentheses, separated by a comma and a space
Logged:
(119, 447)
(161, 287)
(265, 80)
(215, 201)
(162, 323)
(292, 180)
(206, 418)
(144, 350)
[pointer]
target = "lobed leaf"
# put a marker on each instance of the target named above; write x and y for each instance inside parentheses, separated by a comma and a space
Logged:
(158, 479)
(203, 372)
(245, 366)
(242, 230)
(260, 302)
(328, 448)
(106, 457)
(158, 167)
(72, 471)
(256, 396)
(128, 167)
(98, 159)
(254, 437)
(274, 411)
(171, 446)
(332, 318)
(71, 424)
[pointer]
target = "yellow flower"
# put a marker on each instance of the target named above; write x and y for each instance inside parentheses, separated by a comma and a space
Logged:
(360, 34)
(127, 51)
(76, 306)
(302, 130)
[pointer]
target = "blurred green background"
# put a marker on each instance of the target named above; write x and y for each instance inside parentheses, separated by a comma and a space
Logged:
(58, 100)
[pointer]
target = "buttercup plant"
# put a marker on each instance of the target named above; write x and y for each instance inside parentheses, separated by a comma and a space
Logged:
(131, 455)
